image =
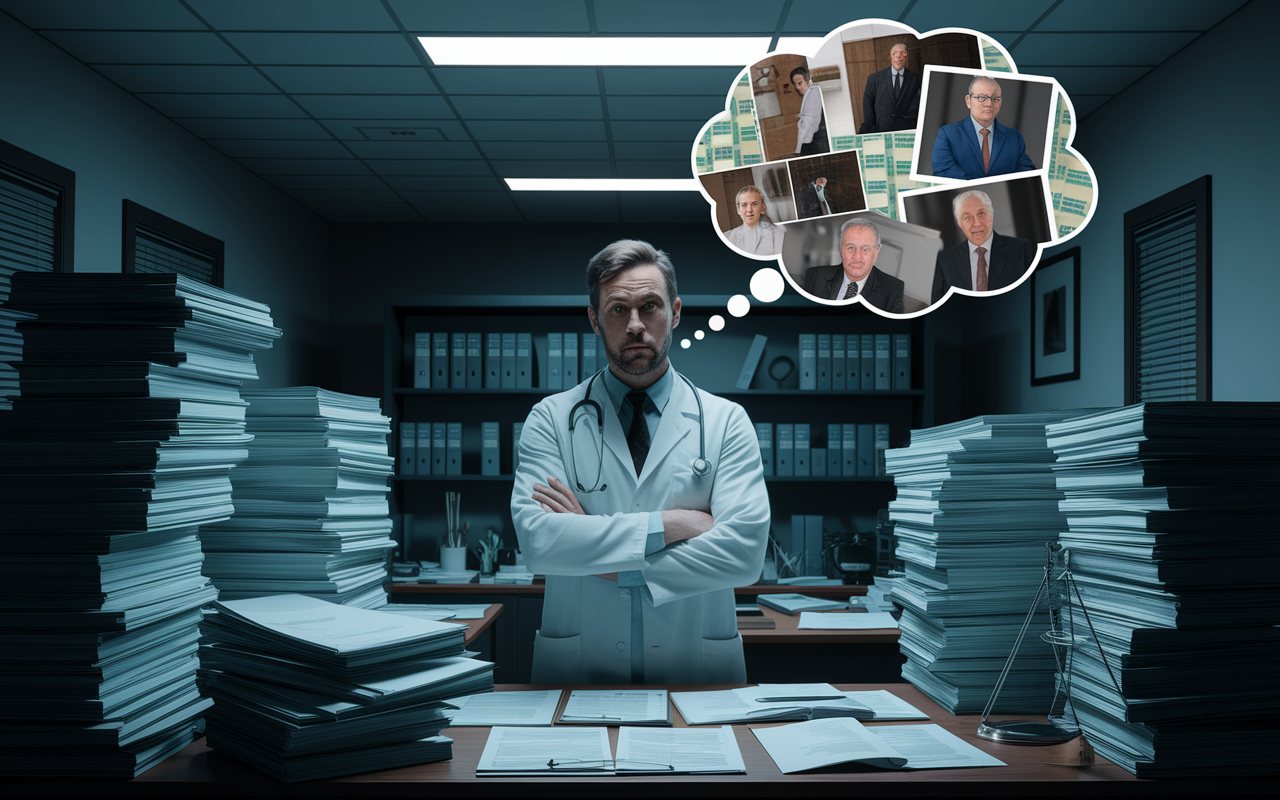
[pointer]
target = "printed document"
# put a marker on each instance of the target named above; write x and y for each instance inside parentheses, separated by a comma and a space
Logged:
(870, 621)
(679, 750)
(768, 702)
(546, 751)
(822, 743)
(504, 709)
(615, 707)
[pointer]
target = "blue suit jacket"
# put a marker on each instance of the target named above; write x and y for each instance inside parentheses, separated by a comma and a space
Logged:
(957, 152)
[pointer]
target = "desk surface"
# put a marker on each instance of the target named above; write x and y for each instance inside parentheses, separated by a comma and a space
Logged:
(477, 626)
(199, 770)
(786, 632)
(849, 590)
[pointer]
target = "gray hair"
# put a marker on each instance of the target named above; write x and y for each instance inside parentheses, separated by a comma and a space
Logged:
(858, 222)
(903, 45)
(981, 195)
(748, 188)
(977, 78)
(623, 255)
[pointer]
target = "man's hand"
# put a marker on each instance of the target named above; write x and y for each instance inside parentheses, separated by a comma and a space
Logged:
(679, 524)
(556, 498)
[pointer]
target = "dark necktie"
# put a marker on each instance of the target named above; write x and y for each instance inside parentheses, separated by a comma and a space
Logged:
(851, 291)
(897, 84)
(638, 436)
(982, 269)
(986, 150)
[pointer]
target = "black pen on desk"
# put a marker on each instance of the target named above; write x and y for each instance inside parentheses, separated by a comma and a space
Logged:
(801, 698)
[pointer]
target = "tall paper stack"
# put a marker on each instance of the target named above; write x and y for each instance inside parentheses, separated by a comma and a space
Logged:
(118, 448)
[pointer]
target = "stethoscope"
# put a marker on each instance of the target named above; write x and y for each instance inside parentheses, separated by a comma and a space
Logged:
(701, 466)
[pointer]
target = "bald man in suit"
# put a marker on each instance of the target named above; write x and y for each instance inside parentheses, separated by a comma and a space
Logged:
(985, 261)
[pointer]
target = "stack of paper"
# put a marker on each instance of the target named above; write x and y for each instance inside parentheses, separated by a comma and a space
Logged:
(976, 502)
(311, 501)
(306, 689)
(1172, 511)
(10, 353)
(795, 603)
(120, 444)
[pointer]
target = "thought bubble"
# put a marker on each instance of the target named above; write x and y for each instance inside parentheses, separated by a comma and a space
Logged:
(795, 175)
(685, 343)
(699, 335)
(716, 323)
(738, 305)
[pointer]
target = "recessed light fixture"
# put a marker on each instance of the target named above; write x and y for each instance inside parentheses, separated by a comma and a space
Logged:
(602, 184)
(593, 51)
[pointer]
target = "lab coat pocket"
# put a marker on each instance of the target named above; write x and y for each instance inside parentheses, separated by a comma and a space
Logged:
(557, 659)
(723, 661)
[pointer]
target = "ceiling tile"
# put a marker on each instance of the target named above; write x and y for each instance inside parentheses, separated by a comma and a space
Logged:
(677, 168)
(1039, 49)
(145, 47)
(339, 182)
(420, 183)
(671, 80)
(457, 196)
(366, 212)
(338, 196)
(280, 148)
(254, 128)
(1009, 15)
(601, 209)
(493, 16)
(545, 150)
(681, 16)
(669, 151)
(820, 17)
(352, 80)
(535, 131)
(391, 167)
(376, 129)
(1108, 15)
(223, 105)
(374, 49)
(652, 108)
(553, 169)
(521, 107)
(444, 212)
(413, 149)
(94, 14)
(1086, 104)
(295, 15)
(518, 80)
(1092, 80)
(222, 80)
(305, 166)
(667, 131)
(356, 106)
(664, 207)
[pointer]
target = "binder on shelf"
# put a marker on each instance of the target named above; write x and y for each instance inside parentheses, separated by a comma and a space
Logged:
(901, 361)
(571, 374)
(493, 361)
(508, 361)
(818, 462)
(795, 546)
(425, 464)
(764, 435)
(516, 427)
(808, 361)
(752, 363)
(588, 356)
(408, 448)
(439, 361)
(849, 450)
(868, 359)
(458, 361)
(475, 370)
(555, 361)
(453, 449)
(852, 362)
(866, 450)
(824, 361)
(785, 442)
(884, 362)
(524, 360)
(813, 544)
(835, 466)
(837, 362)
(439, 444)
(801, 450)
(422, 361)
(881, 445)
(490, 454)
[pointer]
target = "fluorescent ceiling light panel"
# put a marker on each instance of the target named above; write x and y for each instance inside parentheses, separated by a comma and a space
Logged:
(602, 51)
(800, 45)
(602, 184)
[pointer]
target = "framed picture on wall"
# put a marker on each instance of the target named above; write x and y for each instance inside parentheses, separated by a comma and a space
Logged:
(1055, 319)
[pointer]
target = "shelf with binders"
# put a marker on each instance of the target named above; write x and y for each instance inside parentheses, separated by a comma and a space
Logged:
(713, 362)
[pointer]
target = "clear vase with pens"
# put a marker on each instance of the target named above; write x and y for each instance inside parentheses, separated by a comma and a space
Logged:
(453, 549)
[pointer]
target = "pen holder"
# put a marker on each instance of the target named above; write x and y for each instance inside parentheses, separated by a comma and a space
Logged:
(453, 559)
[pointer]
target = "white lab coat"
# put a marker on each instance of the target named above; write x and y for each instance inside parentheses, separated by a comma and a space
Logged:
(690, 628)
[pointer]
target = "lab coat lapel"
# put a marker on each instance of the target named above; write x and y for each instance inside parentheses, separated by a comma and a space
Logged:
(674, 426)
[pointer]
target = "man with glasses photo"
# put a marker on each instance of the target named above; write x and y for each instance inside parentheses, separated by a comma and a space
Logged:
(978, 146)
(856, 274)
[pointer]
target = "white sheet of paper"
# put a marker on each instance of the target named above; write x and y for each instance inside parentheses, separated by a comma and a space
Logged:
(344, 629)
(457, 611)
(887, 705)
(686, 750)
(823, 742)
(932, 747)
(729, 705)
(619, 706)
(541, 751)
(812, 620)
(505, 709)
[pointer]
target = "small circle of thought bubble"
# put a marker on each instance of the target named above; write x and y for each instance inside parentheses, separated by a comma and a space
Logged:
(716, 323)
(699, 334)
(686, 344)
(739, 305)
(767, 285)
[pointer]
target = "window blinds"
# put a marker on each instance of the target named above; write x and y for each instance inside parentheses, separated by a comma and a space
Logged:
(29, 232)
(158, 252)
(1166, 326)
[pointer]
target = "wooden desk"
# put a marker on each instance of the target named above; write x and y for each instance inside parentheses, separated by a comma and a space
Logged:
(476, 627)
(785, 631)
(200, 771)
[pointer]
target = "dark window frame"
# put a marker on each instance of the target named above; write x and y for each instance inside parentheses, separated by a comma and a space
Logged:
(16, 158)
(1197, 192)
(135, 214)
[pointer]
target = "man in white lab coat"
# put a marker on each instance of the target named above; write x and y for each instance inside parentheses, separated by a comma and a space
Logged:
(643, 553)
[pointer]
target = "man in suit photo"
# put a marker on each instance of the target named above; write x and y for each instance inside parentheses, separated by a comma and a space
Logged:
(857, 274)
(978, 145)
(891, 101)
(985, 261)
(813, 200)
